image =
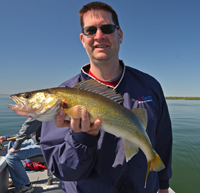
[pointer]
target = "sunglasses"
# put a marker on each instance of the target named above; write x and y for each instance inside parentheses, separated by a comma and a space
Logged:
(106, 29)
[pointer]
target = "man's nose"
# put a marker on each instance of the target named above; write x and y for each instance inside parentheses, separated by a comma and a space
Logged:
(99, 34)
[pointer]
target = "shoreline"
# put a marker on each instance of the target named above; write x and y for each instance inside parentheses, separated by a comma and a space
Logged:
(167, 97)
(182, 98)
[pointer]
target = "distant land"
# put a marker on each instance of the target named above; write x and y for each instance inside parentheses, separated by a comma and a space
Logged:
(182, 98)
(169, 97)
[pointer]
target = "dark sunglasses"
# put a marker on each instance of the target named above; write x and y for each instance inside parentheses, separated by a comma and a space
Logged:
(106, 29)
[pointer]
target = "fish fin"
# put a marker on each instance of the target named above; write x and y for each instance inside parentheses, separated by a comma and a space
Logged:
(130, 149)
(155, 164)
(74, 112)
(141, 114)
(99, 88)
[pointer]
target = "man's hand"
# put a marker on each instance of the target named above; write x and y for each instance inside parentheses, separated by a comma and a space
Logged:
(163, 191)
(13, 150)
(82, 124)
(2, 139)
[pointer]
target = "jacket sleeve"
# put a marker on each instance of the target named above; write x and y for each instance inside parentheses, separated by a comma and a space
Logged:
(70, 156)
(163, 144)
(29, 126)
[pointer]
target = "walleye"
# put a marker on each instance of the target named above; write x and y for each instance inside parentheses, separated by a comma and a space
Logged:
(100, 102)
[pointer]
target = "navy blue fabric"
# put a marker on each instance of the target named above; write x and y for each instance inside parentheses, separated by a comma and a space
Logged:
(88, 164)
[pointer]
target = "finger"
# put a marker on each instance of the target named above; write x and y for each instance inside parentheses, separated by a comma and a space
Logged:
(60, 119)
(94, 130)
(85, 120)
(97, 124)
(75, 124)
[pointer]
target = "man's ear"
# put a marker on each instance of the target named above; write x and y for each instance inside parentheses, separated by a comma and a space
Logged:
(82, 40)
(120, 35)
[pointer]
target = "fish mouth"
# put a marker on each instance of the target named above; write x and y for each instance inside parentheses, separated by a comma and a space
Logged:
(19, 107)
(19, 104)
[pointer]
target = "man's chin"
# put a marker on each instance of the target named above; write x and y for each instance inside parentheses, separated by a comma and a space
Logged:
(102, 57)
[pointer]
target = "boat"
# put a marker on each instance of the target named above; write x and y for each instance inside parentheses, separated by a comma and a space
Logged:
(39, 179)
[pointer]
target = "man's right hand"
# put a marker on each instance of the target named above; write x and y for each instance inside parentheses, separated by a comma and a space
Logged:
(82, 124)
(2, 139)
(13, 150)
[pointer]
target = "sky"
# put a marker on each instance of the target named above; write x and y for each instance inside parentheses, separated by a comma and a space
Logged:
(40, 45)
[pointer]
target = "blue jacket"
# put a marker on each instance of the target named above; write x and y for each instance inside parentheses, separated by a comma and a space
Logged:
(88, 164)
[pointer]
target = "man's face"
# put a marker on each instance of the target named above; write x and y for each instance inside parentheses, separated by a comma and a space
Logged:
(101, 46)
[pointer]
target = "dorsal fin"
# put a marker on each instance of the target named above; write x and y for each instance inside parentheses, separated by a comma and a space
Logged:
(96, 87)
(141, 114)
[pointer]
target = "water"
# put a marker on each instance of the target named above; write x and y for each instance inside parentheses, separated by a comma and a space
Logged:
(185, 116)
(10, 122)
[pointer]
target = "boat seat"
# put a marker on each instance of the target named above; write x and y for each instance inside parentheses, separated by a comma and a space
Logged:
(40, 159)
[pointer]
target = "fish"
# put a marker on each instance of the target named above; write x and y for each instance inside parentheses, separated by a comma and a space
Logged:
(101, 102)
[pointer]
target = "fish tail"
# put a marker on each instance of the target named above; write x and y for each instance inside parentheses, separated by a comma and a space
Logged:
(155, 164)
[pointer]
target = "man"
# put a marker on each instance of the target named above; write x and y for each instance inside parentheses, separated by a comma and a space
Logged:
(25, 146)
(89, 159)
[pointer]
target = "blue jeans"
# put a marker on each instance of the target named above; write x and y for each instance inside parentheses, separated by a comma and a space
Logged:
(15, 166)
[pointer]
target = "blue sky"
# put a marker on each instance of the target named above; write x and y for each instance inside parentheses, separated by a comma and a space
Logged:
(40, 46)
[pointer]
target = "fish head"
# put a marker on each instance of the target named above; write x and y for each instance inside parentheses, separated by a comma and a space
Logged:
(41, 105)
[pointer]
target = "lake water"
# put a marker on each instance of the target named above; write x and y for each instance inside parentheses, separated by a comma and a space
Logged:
(185, 116)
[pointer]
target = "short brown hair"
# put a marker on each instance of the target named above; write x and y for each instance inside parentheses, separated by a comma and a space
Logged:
(96, 5)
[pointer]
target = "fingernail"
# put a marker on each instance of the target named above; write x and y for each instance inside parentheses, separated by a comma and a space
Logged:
(98, 122)
(61, 113)
(84, 112)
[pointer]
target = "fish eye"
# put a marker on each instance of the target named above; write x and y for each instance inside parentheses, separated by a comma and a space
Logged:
(27, 95)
